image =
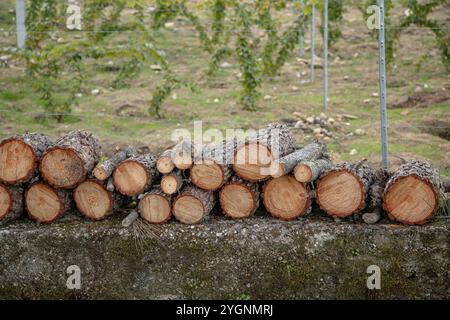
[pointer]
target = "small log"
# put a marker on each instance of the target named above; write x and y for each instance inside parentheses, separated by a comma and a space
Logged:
(239, 199)
(155, 206)
(193, 205)
(46, 204)
(104, 169)
(285, 165)
(286, 199)
(253, 160)
(130, 218)
(309, 171)
(135, 175)
(183, 155)
(172, 182)
(94, 201)
(343, 190)
(164, 164)
(11, 202)
(20, 155)
(67, 163)
(411, 195)
(373, 212)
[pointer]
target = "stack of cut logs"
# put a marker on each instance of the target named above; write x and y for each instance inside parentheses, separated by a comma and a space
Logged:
(46, 179)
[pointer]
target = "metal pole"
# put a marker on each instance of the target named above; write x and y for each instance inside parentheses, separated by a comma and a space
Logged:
(302, 37)
(312, 42)
(325, 55)
(20, 23)
(383, 91)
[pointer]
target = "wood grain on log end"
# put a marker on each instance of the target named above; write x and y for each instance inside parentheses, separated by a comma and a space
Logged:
(171, 183)
(18, 161)
(340, 193)
(208, 175)
(6, 201)
(165, 165)
(237, 200)
(155, 207)
(285, 198)
(100, 173)
(303, 173)
(193, 205)
(93, 200)
(131, 178)
(252, 162)
(45, 204)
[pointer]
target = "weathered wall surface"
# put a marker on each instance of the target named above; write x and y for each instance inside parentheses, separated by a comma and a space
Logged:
(257, 259)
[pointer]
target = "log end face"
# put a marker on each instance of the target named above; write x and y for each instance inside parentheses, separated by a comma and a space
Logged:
(182, 162)
(93, 200)
(253, 162)
(18, 161)
(43, 203)
(131, 178)
(169, 184)
(165, 165)
(237, 201)
(303, 173)
(410, 200)
(340, 194)
(62, 168)
(155, 208)
(285, 198)
(207, 176)
(188, 209)
(5, 201)
(100, 173)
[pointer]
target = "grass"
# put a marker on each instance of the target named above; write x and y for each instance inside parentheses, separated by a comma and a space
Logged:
(353, 79)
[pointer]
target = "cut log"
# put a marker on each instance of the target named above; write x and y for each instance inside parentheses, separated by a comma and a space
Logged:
(155, 206)
(94, 201)
(135, 175)
(343, 190)
(11, 202)
(183, 154)
(130, 218)
(252, 160)
(172, 183)
(19, 157)
(104, 169)
(309, 171)
(164, 164)
(67, 163)
(285, 198)
(411, 195)
(239, 199)
(193, 205)
(286, 164)
(45, 204)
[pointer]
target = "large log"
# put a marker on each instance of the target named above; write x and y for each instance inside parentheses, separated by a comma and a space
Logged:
(135, 175)
(11, 202)
(239, 198)
(285, 198)
(373, 211)
(155, 206)
(411, 195)
(343, 190)
(253, 159)
(104, 169)
(164, 164)
(94, 201)
(46, 204)
(309, 171)
(286, 164)
(172, 182)
(73, 156)
(193, 205)
(20, 155)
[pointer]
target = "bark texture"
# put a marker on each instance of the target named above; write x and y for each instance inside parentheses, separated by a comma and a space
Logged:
(11, 203)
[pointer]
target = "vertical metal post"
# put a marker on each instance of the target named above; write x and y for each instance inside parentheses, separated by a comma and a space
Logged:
(383, 91)
(313, 13)
(302, 37)
(20, 23)
(325, 55)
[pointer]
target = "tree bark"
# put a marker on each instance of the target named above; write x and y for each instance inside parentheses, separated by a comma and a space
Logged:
(253, 159)
(172, 182)
(94, 201)
(20, 155)
(46, 204)
(11, 203)
(411, 195)
(286, 164)
(309, 171)
(135, 175)
(343, 190)
(193, 205)
(155, 206)
(239, 199)
(286, 199)
(373, 212)
(104, 169)
(67, 163)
